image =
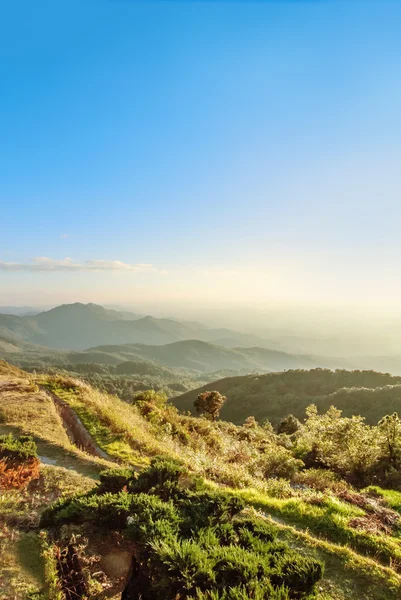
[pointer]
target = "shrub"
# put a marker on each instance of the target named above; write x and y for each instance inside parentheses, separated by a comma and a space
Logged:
(207, 508)
(21, 449)
(161, 478)
(279, 488)
(297, 572)
(289, 425)
(257, 527)
(19, 463)
(320, 479)
(278, 462)
(190, 543)
(210, 403)
(114, 480)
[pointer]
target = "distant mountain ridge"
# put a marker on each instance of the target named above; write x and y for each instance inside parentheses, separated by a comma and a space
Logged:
(206, 357)
(130, 336)
(79, 326)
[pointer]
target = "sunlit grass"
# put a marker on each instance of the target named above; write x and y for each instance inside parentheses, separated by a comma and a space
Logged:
(328, 519)
(392, 497)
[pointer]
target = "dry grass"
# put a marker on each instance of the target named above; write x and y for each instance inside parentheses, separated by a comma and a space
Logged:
(114, 425)
(10, 371)
(220, 451)
(25, 409)
(22, 404)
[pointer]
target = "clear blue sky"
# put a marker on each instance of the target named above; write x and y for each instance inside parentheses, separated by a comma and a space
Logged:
(247, 150)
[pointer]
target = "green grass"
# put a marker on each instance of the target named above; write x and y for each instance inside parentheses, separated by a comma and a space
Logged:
(22, 567)
(29, 554)
(113, 424)
(348, 575)
(392, 497)
(328, 519)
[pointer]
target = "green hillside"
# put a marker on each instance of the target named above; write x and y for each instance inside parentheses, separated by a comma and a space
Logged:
(274, 395)
(204, 510)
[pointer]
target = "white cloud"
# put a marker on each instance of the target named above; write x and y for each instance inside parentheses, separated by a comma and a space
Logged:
(42, 263)
(64, 236)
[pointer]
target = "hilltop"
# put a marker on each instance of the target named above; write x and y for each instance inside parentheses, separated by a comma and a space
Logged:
(273, 395)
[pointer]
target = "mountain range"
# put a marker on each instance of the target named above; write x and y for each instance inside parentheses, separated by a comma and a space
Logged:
(89, 333)
(79, 326)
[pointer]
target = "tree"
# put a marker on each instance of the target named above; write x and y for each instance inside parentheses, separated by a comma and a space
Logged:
(346, 445)
(390, 442)
(210, 403)
(267, 426)
(250, 423)
(289, 425)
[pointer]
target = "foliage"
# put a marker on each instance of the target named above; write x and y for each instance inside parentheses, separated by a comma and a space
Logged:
(114, 480)
(150, 396)
(210, 403)
(289, 425)
(346, 445)
(320, 480)
(19, 463)
(21, 448)
(275, 395)
(250, 422)
(191, 541)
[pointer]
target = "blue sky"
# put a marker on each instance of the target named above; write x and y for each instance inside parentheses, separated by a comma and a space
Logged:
(200, 151)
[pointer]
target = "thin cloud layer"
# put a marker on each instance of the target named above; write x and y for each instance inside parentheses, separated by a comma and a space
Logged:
(42, 263)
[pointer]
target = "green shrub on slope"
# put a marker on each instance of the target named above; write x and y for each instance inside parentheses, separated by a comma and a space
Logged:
(191, 542)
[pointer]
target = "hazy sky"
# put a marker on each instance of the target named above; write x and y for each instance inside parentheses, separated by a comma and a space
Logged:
(219, 152)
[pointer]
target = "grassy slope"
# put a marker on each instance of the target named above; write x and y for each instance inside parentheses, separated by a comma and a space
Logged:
(318, 523)
(275, 395)
(26, 409)
(357, 564)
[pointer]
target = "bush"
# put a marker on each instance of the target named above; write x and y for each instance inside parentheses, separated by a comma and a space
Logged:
(289, 425)
(190, 542)
(320, 479)
(114, 480)
(20, 449)
(296, 572)
(207, 508)
(19, 463)
(161, 478)
(279, 462)
(257, 527)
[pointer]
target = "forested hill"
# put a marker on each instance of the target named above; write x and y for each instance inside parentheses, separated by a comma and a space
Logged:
(275, 395)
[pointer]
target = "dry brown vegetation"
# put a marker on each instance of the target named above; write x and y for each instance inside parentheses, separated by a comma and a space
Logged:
(14, 475)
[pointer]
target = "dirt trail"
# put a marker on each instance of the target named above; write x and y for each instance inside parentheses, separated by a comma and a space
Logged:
(75, 429)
